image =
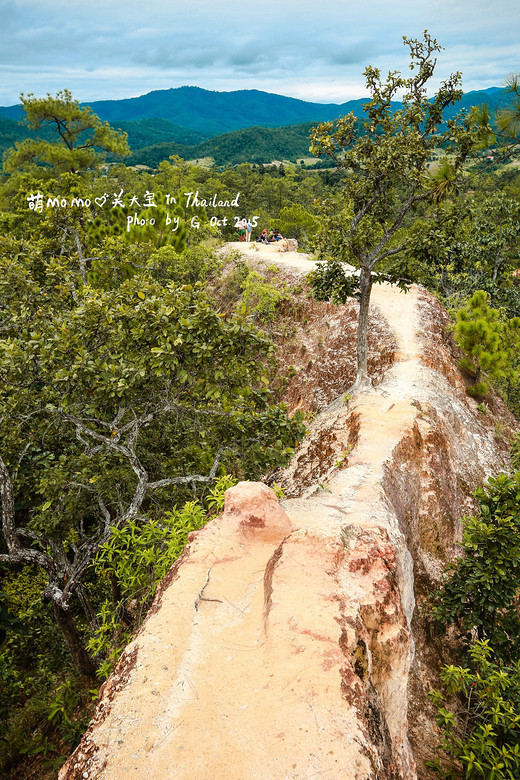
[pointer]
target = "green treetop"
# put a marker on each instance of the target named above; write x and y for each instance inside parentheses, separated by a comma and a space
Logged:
(489, 343)
(80, 137)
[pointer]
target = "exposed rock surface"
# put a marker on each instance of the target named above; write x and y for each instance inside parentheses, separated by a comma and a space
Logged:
(281, 644)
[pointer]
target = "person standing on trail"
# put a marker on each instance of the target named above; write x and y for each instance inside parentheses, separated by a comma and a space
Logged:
(241, 227)
(249, 229)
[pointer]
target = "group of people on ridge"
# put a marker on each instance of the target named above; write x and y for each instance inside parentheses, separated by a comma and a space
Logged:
(245, 228)
(271, 237)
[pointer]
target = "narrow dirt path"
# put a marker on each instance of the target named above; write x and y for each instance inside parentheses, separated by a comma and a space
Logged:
(386, 413)
(354, 497)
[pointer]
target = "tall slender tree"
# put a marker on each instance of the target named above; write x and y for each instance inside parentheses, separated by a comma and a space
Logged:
(386, 165)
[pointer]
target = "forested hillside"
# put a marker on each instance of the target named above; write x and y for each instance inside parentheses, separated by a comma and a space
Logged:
(255, 145)
(144, 371)
(228, 127)
(213, 113)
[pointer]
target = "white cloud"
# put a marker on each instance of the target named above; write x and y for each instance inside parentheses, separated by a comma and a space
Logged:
(105, 49)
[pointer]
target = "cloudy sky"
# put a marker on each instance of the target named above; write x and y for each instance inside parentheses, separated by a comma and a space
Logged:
(311, 50)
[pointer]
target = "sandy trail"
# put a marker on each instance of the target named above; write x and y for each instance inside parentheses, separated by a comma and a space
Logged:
(386, 412)
(354, 497)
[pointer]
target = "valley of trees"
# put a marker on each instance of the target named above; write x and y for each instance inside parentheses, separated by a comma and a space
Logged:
(223, 128)
(139, 377)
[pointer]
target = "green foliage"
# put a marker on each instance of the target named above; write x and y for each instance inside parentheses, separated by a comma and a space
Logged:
(279, 491)
(158, 225)
(260, 299)
(487, 342)
(486, 744)
(50, 724)
(215, 498)
(481, 596)
(249, 145)
(515, 452)
(481, 592)
(23, 588)
(296, 222)
(37, 718)
(508, 114)
(194, 264)
(139, 554)
(62, 711)
(110, 637)
(80, 137)
(330, 281)
(152, 131)
(472, 243)
(493, 240)
(8, 621)
(253, 296)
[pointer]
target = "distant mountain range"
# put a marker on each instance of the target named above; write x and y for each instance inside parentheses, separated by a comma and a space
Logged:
(188, 120)
(213, 113)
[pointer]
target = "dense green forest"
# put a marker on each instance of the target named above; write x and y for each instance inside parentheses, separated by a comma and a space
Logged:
(139, 376)
(155, 140)
(229, 128)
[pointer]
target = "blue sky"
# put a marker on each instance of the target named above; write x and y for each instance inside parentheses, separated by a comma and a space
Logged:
(311, 50)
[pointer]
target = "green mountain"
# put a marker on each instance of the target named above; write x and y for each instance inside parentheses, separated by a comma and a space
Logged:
(141, 134)
(213, 113)
(253, 145)
(10, 132)
(231, 127)
(145, 132)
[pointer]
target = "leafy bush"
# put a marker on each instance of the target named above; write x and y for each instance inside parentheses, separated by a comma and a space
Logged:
(215, 498)
(135, 559)
(194, 264)
(482, 589)
(478, 332)
(485, 742)
(330, 282)
(260, 299)
(481, 596)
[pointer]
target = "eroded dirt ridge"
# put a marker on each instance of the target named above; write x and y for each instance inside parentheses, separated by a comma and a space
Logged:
(281, 645)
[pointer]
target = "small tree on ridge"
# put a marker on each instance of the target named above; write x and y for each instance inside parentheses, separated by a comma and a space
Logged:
(387, 168)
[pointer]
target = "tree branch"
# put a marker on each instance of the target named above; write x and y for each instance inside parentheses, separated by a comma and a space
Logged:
(17, 553)
(81, 258)
(187, 479)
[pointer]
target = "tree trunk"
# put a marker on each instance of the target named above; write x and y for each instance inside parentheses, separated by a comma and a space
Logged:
(81, 658)
(118, 602)
(88, 609)
(365, 284)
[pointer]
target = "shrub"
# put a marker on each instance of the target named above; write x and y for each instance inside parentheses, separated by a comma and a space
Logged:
(481, 592)
(484, 742)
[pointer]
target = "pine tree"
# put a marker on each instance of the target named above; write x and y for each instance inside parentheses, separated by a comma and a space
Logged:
(486, 340)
